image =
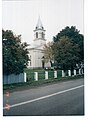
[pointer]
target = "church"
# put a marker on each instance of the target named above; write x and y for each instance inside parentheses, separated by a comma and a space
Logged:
(36, 52)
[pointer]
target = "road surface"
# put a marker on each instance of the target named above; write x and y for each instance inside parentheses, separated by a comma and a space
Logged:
(62, 98)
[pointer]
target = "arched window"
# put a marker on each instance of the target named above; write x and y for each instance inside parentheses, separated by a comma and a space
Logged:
(42, 35)
(36, 34)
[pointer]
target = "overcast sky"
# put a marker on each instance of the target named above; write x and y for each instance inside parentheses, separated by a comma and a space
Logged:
(21, 16)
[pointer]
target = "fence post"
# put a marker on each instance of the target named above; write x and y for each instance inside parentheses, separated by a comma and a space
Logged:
(46, 74)
(25, 80)
(36, 76)
(63, 73)
(69, 72)
(74, 72)
(79, 71)
(55, 74)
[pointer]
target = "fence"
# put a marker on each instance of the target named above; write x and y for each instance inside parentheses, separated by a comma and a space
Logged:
(9, 79)
(56, 74)
(72, 73)
(40, 75)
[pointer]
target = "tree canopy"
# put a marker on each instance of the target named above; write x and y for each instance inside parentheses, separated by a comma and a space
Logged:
(67, 48)
(66, 53)
(15, 53)
(73, 34)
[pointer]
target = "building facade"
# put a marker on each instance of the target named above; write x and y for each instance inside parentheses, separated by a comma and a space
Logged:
(36, 52)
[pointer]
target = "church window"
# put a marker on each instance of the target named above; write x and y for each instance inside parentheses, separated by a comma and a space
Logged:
(43, 63)
(36, 34)
(42, 35)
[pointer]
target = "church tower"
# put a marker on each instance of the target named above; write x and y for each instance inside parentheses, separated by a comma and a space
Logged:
(36, 52)
(39, 34)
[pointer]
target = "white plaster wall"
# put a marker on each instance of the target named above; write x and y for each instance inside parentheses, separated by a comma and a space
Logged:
(39, 42)
(47, 65)
(36, 56)
(36, 59)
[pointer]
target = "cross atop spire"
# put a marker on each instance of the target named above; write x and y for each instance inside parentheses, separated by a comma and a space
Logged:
(39, 24)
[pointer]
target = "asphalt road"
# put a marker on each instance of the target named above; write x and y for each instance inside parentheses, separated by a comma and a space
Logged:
(64, 98)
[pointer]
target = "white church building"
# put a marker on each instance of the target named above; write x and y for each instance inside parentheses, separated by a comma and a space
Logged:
(36, 52)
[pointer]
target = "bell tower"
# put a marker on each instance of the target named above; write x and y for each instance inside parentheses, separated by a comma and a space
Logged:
(39, 34)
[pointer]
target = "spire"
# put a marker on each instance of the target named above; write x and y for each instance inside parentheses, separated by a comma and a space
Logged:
(39, 24)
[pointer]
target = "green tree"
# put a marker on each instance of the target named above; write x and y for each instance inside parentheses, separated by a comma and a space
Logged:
(73, 34)
(66, 53)
(15, 53)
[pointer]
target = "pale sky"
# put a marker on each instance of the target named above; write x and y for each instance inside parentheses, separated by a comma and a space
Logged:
(21, 16)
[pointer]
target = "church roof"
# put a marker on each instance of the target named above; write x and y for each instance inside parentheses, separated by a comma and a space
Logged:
(39, 24)
(40, 47)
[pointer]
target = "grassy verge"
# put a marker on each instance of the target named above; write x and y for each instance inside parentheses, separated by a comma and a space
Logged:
(30, 84)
